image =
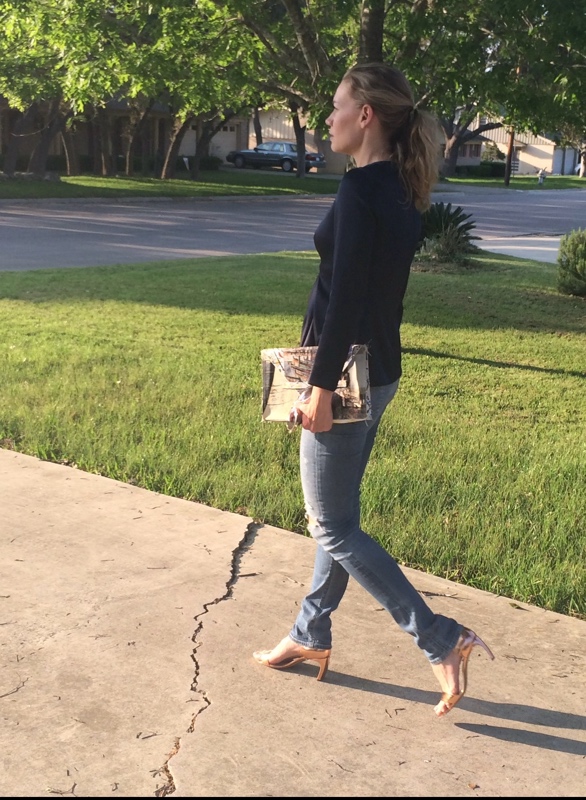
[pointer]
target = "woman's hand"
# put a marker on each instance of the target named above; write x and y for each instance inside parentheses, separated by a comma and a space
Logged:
(316, 413)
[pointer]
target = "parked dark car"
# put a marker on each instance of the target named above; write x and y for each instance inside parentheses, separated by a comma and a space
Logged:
(275, 154)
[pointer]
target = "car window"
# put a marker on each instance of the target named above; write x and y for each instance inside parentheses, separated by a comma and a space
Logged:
(265, 148)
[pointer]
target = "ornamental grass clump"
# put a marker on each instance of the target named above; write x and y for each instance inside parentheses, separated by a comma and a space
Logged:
(572, 263)
(447, 234)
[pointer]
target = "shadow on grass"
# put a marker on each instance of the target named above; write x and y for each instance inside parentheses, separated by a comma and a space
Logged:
(513, 294)
(225, 183)
(421, 351)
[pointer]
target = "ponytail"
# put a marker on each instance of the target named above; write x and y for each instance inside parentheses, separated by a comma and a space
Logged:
(417, 153)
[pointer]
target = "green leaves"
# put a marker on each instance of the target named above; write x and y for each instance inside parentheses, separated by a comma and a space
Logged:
(572, 263)
(447, 233)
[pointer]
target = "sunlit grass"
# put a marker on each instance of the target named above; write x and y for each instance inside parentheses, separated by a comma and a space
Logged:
(232, 182)
(522, 182)
(219, 183)
(150, 374)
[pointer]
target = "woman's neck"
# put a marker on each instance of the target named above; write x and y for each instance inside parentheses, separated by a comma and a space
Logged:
(371, 154)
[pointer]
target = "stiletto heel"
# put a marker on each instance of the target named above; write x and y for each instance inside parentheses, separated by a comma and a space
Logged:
(297, 655)
(466, 643)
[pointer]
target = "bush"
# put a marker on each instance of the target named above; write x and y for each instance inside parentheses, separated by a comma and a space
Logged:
(447, 234)
(206, 163)
(211, 162)
(21, 163)
(491, 153)
(486, 169)
(572, 263)
(441, 218)
(444, 248)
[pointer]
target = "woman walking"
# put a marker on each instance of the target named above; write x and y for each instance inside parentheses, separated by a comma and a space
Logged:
(366, 245)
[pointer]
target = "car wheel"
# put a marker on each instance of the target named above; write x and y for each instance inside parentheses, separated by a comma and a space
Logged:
(239, 162)
(287, 165)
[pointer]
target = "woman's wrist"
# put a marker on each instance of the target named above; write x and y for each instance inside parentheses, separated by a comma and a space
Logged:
(318, 392)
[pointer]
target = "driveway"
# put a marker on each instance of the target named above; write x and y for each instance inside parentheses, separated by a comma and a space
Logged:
(47, 234)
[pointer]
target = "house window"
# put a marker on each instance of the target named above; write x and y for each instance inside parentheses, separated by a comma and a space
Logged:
(471, 151)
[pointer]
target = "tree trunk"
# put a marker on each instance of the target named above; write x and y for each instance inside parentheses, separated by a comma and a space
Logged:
(257, 126)
(71, 154)
(208, 128)
(133, 128)
(451, 150)
(509, 159)
(145, 149)
(299, 139)
(176, 135)
(22, 126)
(205, 132)
(372, 20)
(54, 125)
(127, 141)
(103, 132)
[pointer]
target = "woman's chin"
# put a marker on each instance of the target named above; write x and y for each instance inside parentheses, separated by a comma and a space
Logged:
(336, 149)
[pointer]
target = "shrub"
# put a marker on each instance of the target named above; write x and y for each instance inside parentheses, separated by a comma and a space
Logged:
(447, 234)
(572, 263)
(491, 152)
(486, 169)
(444, 248)
(56, 163)
(211, 163)
(441, 218)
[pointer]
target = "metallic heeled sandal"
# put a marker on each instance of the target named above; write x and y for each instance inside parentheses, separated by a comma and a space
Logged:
(466, 643)
(299, 655)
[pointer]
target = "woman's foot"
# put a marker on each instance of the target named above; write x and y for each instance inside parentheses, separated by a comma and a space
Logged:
(452, 672)
(288, 653)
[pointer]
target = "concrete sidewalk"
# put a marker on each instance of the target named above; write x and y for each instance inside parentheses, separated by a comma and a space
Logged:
(128, 620)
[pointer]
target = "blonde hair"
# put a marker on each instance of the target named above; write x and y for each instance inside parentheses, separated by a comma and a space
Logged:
(412, 132)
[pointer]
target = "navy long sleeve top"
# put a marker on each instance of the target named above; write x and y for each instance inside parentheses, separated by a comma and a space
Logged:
(366, 245)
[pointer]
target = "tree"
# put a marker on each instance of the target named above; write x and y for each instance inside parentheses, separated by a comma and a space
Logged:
(31, 80)
(480, 66)
(87, 56)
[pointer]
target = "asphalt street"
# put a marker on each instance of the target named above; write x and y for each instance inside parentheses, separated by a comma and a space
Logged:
(49, 234)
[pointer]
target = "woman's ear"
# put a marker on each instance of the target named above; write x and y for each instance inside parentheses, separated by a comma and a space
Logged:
(366, 115)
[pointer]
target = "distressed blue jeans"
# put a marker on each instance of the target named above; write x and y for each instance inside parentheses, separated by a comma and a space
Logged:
(332, 466)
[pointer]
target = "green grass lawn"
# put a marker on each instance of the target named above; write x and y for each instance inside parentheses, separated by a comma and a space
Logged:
(217, 183)
(523, 182)
(230, 182)
(150, 374)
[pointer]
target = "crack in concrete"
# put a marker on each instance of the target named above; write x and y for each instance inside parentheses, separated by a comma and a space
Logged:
(245, 543)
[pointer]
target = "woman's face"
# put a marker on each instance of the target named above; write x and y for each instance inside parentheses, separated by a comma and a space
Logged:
(346, 132)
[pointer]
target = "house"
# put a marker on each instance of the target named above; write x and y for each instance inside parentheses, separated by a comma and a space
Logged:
(535, 152)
